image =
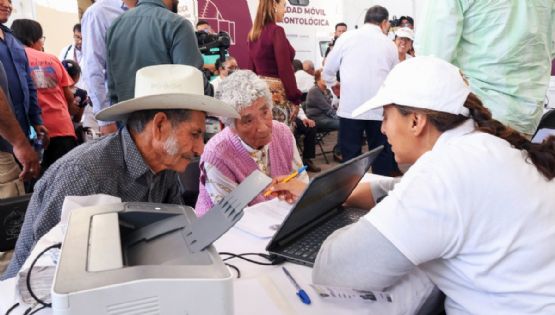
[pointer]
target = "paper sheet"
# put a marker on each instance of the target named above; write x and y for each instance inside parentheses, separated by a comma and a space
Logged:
(263, 219)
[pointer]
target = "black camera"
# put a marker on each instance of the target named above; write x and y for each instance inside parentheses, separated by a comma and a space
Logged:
(207, 41)
(395, 22)
(81, 97)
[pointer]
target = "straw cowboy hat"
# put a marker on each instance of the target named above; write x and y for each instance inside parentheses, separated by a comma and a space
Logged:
(168, 87)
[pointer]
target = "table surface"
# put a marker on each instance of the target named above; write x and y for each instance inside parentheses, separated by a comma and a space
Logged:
(263, 287)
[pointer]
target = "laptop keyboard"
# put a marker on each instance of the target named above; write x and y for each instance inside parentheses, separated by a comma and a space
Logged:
(307, 247)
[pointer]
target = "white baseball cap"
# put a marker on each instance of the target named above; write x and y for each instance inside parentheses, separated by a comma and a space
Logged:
(422, 82)
(405, 32)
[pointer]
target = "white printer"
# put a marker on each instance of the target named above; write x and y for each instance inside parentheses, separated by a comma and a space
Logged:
(133, 258)
(147, 258)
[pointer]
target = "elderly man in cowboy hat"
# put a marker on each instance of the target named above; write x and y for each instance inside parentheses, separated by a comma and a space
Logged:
(164, 127)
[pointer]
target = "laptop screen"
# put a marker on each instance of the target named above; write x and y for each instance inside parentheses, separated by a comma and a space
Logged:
(326, 192)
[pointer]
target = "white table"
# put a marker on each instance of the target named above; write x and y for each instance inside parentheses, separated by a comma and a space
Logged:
(262, 289)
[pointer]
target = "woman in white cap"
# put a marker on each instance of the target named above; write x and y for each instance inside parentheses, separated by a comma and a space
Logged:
(475, 212)
(404, 37)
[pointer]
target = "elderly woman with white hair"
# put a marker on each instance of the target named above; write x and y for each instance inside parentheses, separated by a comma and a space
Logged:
(251, 142)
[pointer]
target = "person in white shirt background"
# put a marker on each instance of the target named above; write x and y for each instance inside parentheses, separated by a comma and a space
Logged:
(404, 37)
(364, 57)
(73, 51)
(304, 79)
(475, 211)
(340, 28)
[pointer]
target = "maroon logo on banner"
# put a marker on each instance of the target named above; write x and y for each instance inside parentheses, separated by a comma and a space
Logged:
(232, 17)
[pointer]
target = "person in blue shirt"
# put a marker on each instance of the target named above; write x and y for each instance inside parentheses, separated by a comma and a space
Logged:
(20, 87)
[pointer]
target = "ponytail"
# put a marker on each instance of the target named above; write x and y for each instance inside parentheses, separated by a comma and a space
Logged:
(542, 155)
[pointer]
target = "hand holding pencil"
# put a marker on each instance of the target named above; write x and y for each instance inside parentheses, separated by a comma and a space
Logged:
(287, 188)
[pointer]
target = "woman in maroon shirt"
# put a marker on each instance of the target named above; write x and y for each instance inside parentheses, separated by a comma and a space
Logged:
(271, 57)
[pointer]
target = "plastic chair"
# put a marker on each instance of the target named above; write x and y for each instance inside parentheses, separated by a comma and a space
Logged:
(321, 134)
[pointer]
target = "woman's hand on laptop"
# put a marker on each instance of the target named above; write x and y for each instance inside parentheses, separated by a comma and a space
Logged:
(289, 191)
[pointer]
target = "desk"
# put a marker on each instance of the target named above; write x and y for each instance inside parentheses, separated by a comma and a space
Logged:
(261, 289)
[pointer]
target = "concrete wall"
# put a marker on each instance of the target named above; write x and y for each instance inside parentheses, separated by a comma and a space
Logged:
(57, 27)
(57, 18)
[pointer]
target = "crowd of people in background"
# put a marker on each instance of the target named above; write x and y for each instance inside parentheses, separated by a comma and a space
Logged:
(95, 77)
(272, 111)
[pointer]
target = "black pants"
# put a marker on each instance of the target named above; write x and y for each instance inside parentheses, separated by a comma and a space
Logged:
(351, 133)
(309, 142)
(57, 148)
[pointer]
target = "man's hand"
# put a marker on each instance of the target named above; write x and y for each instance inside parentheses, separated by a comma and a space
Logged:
(108, 129)
(42, 134)
(25, 154)
(309, 123)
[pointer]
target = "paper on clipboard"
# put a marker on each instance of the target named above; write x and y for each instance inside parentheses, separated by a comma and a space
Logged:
(263, 219)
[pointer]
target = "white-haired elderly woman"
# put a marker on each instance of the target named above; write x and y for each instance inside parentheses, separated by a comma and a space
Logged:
(252, 142)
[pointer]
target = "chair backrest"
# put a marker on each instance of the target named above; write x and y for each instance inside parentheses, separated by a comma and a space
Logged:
(190, 183)
(12, 214)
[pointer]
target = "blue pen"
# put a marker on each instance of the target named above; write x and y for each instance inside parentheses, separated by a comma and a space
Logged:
(300, 292)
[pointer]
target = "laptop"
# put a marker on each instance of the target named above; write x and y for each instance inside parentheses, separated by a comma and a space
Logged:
(319, 211)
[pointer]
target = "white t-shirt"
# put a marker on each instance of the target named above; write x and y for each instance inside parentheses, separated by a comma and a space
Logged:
(480, 221)
(304, 81)
(69, 52)
(364, 57)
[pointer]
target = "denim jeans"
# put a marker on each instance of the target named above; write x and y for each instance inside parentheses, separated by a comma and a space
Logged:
(351, 133)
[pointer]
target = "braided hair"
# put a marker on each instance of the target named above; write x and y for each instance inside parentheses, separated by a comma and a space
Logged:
(542, 155)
